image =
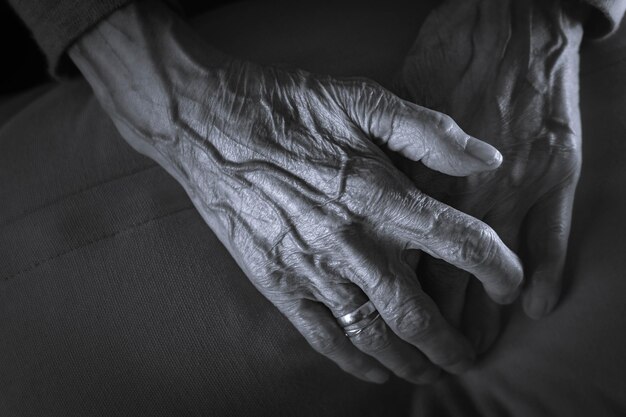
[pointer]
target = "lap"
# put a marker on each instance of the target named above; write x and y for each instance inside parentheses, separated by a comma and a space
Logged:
(572, 362)
(117, 299)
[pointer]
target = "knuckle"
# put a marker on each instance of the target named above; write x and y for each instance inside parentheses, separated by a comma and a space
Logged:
(479, 244)
(370, 87)
(413, 321)
(266, 282)
(364, 89)
(566, 157)
(283, 288)
(325, 343)
(443, 123)
(373, 340)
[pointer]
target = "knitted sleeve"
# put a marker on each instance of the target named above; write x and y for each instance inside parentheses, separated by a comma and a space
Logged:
(56, 24)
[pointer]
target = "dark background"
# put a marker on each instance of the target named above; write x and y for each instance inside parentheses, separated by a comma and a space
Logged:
(23, 65)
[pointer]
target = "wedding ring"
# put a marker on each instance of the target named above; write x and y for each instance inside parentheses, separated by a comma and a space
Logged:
(358, 320)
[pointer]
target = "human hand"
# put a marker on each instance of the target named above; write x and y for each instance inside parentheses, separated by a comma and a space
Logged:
(285, 168)
(507, 72)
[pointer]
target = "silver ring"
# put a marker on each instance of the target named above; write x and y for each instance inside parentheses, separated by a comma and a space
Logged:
(358, 320)
(357, 315)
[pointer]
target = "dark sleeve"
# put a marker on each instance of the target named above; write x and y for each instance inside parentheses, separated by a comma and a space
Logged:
(605, 17)
(56, 24)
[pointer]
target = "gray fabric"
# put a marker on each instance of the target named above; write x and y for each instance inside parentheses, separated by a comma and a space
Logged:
(571, 363)
(116, 298)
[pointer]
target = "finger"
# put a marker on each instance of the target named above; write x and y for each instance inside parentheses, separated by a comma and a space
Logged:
(341, 297)
(443, 282)
(315, 322)
(548, 226)
(506, 220)
(446, 285)
(481, 318)
(411, 314)
(404, 360)
(418, 133)
(459, 239)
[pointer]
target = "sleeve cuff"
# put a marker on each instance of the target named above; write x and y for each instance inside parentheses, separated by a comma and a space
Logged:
(57, 24)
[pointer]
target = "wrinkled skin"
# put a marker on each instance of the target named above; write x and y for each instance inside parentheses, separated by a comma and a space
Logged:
(507, 72)
(286, 168)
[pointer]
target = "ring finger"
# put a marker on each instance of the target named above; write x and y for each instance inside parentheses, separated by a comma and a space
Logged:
(377, 340)
(372, 336)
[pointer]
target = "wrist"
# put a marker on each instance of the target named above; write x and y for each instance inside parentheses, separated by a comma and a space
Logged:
(139, 62)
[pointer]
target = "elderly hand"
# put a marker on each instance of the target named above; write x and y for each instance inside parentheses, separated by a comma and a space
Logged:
(284, 167)
(507, 72)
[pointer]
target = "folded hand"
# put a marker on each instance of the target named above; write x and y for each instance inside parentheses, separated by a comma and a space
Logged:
(507, 72)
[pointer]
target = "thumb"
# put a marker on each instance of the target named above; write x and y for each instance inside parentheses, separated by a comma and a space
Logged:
(420, 134)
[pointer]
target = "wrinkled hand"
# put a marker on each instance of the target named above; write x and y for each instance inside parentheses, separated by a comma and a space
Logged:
(507, 72)
(285, 168)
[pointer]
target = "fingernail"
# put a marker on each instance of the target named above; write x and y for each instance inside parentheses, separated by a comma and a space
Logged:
(483, 151)
(537, 307)
(377, 376)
